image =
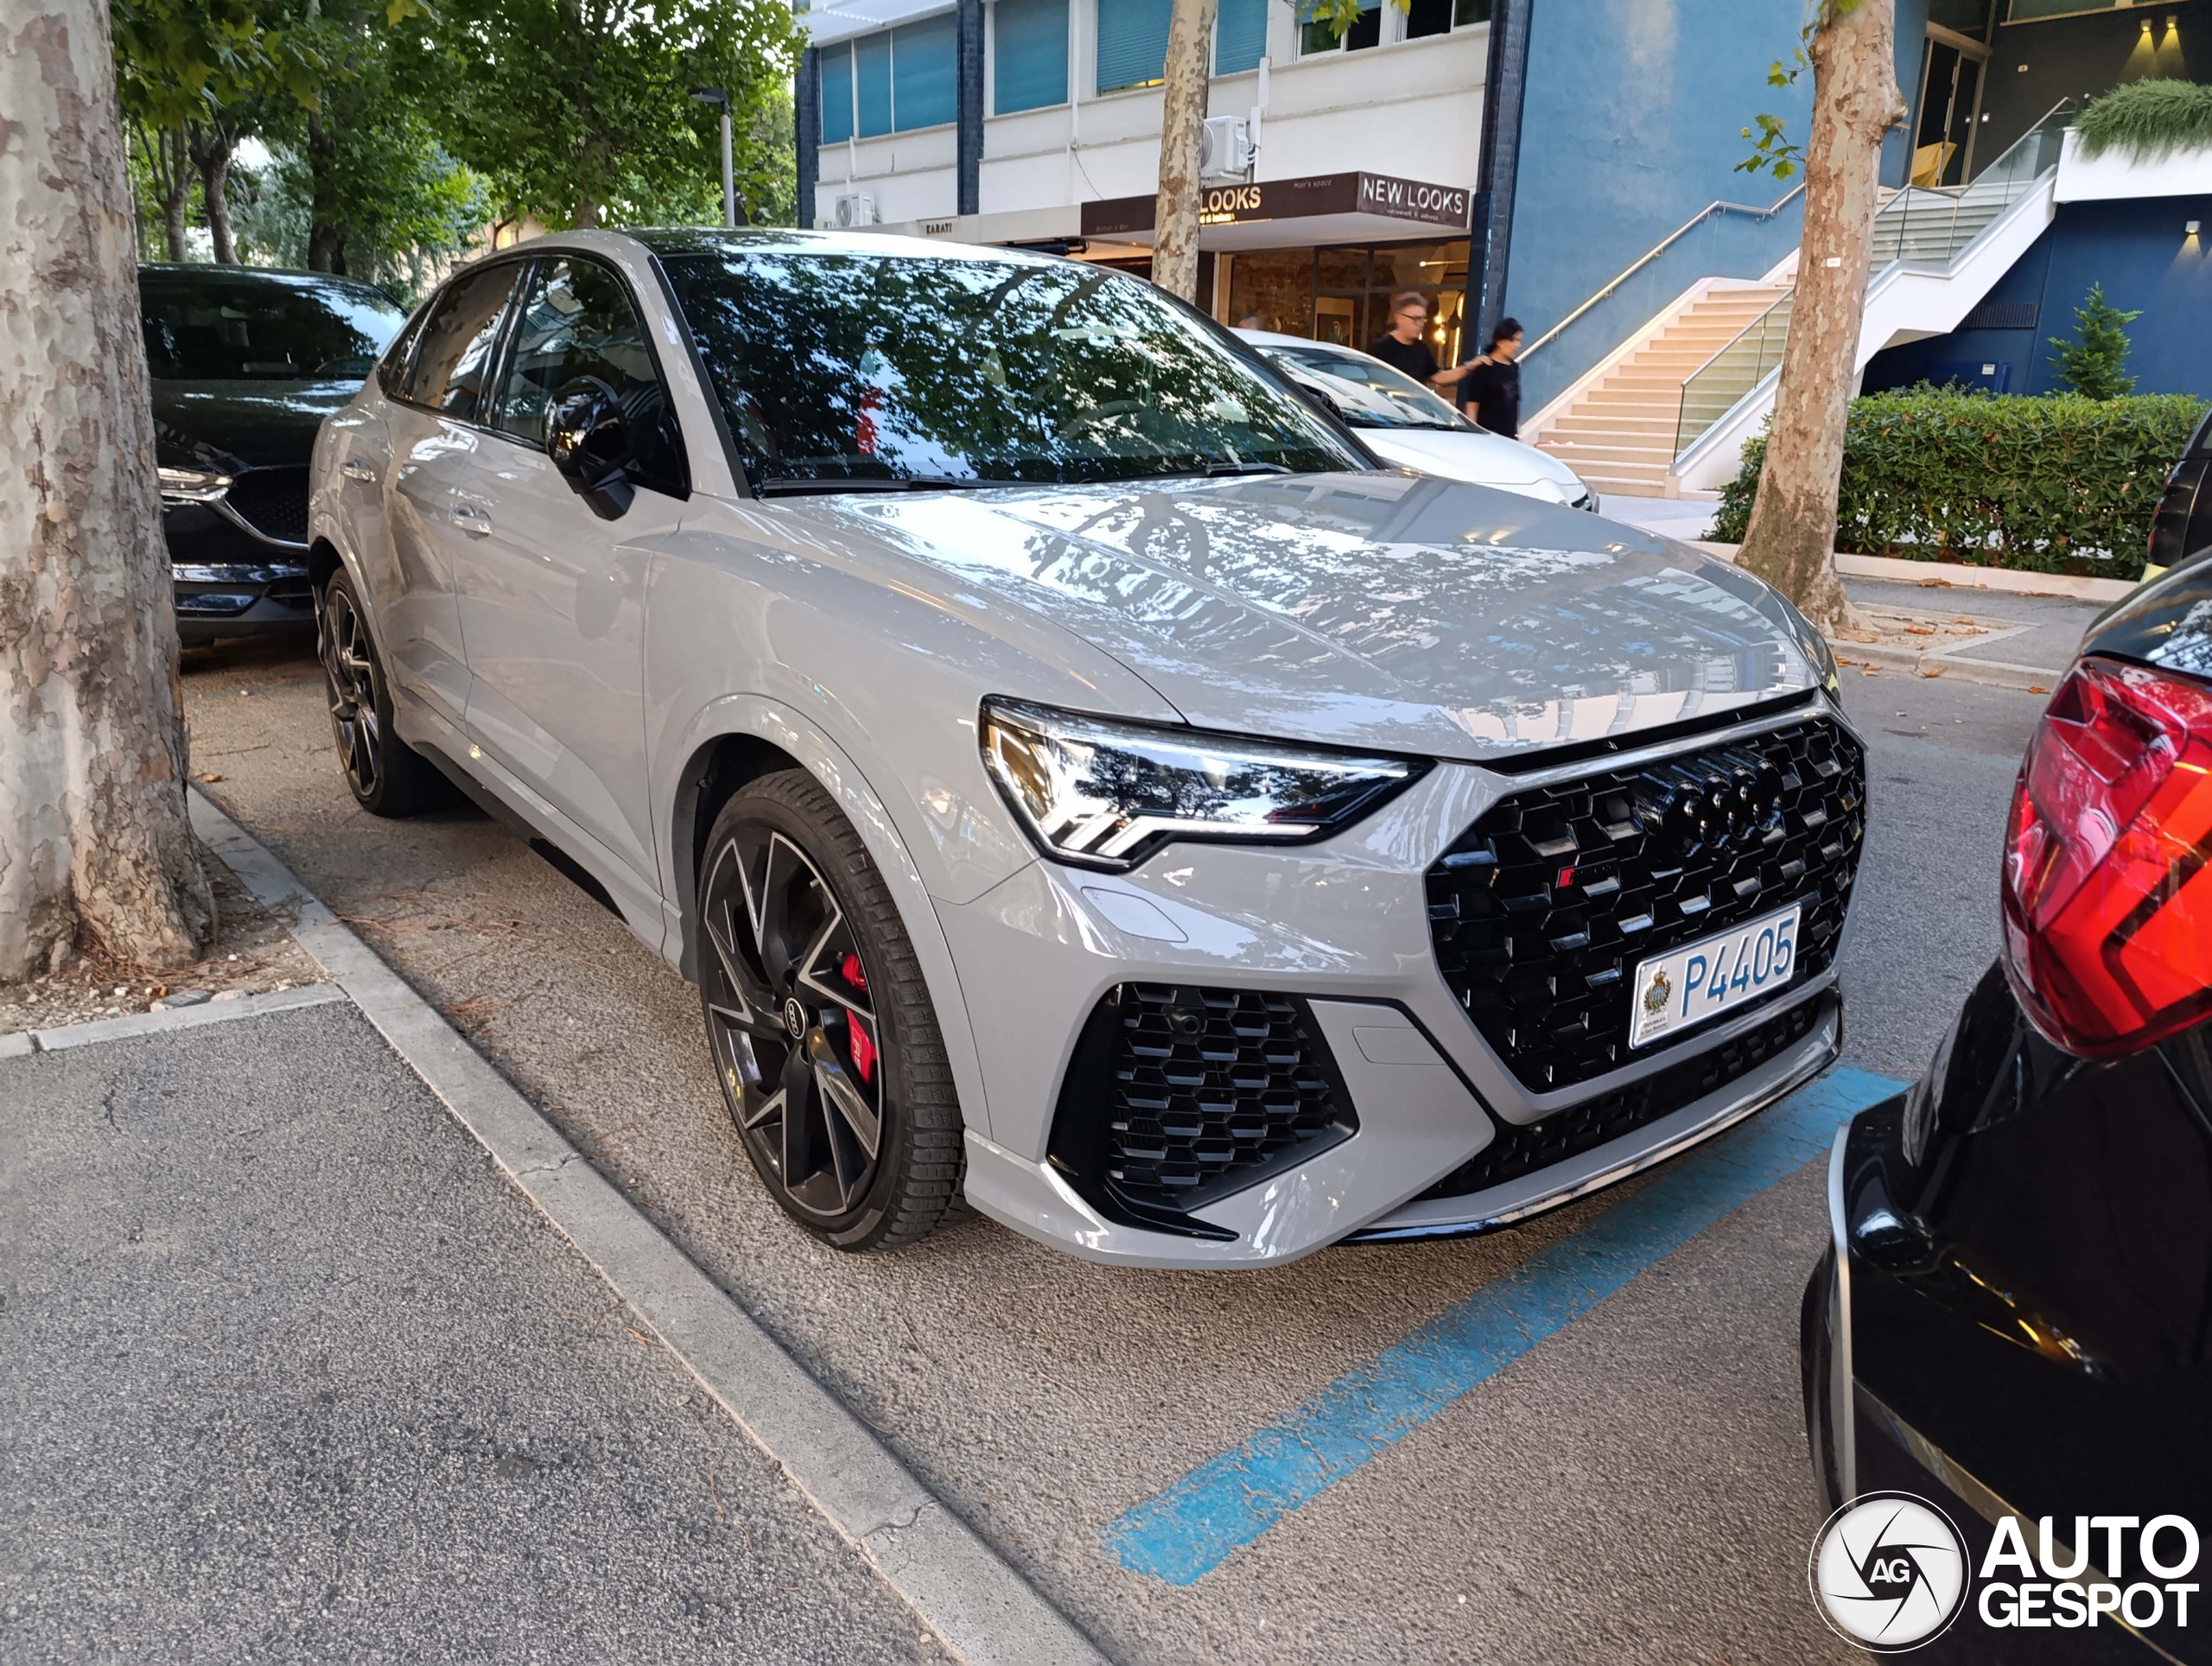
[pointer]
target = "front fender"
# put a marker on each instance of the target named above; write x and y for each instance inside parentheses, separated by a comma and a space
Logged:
(757, 717)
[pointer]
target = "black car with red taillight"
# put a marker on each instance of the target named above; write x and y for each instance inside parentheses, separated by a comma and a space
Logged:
(2014, 1316)
(2181, 530)
(244, 363)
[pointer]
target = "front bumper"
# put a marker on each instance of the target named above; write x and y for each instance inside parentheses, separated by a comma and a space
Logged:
(229, 579)
(1343, 927)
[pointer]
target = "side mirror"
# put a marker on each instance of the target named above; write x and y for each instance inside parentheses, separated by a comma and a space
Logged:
(1320, 400)
(589, 442)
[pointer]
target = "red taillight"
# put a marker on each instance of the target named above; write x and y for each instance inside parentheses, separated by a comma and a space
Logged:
(2107, 902)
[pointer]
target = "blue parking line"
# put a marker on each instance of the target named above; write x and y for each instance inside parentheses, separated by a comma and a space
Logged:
(1185, 1532)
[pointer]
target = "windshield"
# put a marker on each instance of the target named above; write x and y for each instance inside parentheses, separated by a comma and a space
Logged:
(844, 367)
(1368, 392)
(222, 328)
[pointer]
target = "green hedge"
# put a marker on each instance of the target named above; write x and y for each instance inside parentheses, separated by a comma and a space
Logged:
(2050, 484)
(2147, 119)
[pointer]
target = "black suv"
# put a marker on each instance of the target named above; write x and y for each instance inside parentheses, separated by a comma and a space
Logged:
(245, 364)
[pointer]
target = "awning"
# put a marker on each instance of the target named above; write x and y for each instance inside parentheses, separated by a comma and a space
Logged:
(1320, 208)
(826, 25)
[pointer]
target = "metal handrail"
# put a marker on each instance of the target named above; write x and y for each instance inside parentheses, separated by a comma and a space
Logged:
(1682, 412)
(1658, 249)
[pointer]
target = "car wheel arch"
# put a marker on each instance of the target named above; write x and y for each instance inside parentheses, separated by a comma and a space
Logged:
(740, 740)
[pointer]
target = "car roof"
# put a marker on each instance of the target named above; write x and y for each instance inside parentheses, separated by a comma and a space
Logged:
(277, 277)
(709, 239)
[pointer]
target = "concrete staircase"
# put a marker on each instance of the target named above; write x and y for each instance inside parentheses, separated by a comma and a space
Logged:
(1619, 433)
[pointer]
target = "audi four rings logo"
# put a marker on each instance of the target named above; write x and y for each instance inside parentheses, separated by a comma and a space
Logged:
(1890, 1571)
(1694, 810)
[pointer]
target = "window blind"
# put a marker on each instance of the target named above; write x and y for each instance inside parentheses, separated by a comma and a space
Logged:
(925, 74)
(1240, 36)
(837, 95)
(1029, 54)
(1132, 42)
(871, 82)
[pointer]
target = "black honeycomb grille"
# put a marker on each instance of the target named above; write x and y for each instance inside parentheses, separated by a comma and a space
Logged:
(1180, 1095)
(273, 501)
(1542, 909)
(1519, 1151)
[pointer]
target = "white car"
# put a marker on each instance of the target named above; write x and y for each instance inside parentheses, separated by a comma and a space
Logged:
(1403, 422)
(1079, 781)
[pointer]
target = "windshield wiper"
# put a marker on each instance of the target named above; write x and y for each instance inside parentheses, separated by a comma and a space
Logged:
(817, 483)
(1213, 469)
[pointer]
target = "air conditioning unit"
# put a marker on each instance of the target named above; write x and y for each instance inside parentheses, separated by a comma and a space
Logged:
(850, 210)
(1225, 152)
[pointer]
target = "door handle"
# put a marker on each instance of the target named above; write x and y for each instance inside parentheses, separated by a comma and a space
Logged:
(472, 520)
(354, 470)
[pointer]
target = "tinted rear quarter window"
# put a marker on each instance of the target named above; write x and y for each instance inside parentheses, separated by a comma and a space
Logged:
(453, 361)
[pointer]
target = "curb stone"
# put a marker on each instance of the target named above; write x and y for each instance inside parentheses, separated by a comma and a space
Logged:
(976, 1603)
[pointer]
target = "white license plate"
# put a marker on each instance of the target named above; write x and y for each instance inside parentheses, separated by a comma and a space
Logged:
(1688, 985)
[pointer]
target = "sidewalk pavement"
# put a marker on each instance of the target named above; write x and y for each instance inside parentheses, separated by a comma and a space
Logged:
(2029, 640)
(286, 1368)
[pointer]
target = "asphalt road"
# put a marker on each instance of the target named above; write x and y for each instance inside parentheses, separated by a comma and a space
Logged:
(1633, 1488)
(288, 1371)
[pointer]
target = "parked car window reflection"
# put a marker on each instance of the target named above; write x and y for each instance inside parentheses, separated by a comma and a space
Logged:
(261, 327)
(454, 358)
(577, 325)
(870, 367)
(1369, 392)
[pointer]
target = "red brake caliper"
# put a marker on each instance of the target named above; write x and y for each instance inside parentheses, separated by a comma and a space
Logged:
(863, 1043)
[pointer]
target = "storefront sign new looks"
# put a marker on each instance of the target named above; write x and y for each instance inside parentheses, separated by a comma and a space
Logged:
(1320, 193)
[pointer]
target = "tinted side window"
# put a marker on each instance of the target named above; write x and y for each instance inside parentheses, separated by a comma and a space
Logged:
(578, 327)
(453, 359)
(391, 369)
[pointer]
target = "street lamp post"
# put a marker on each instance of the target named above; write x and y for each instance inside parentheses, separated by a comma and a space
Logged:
(715, 95)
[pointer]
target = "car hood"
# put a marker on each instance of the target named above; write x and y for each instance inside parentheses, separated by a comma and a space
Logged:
(1371, 610)
(1480, 459)
(233, 426)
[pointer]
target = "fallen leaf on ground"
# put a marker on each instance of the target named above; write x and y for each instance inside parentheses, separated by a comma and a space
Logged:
(2038, 688)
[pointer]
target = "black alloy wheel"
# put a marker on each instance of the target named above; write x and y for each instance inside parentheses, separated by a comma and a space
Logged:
(388, 777)
(817, 1018)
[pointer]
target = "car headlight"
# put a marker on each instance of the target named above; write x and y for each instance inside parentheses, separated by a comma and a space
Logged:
(1585, 497)
(192, 485)
(1105, 794)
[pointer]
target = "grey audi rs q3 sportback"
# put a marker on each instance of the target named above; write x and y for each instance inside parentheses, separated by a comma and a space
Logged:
(1081, 780)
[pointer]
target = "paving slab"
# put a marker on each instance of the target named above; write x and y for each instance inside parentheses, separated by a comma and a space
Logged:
(288, 1370)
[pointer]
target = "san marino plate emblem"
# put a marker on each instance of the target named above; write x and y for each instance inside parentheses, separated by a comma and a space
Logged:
(1656, 997)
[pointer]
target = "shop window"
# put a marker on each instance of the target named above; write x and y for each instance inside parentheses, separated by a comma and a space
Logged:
(1274, 286)
(1131, 43)
(1427, 17)
(1029, 54)
(836, 93)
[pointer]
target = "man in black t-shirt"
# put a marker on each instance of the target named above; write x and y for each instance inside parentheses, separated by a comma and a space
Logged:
(1491, 393)
(1400, 346)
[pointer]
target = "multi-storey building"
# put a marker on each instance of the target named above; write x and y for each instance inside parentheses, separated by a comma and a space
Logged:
(1573, 162)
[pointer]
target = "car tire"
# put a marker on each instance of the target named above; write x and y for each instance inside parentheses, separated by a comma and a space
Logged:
(387, 776)
(823, 1037)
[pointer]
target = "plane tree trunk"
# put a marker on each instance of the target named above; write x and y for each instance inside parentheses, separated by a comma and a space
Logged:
(1182, 131)
(94, 839)
(1791, 534)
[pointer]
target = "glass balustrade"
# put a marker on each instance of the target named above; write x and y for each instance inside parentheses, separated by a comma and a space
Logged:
(1919, 228)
